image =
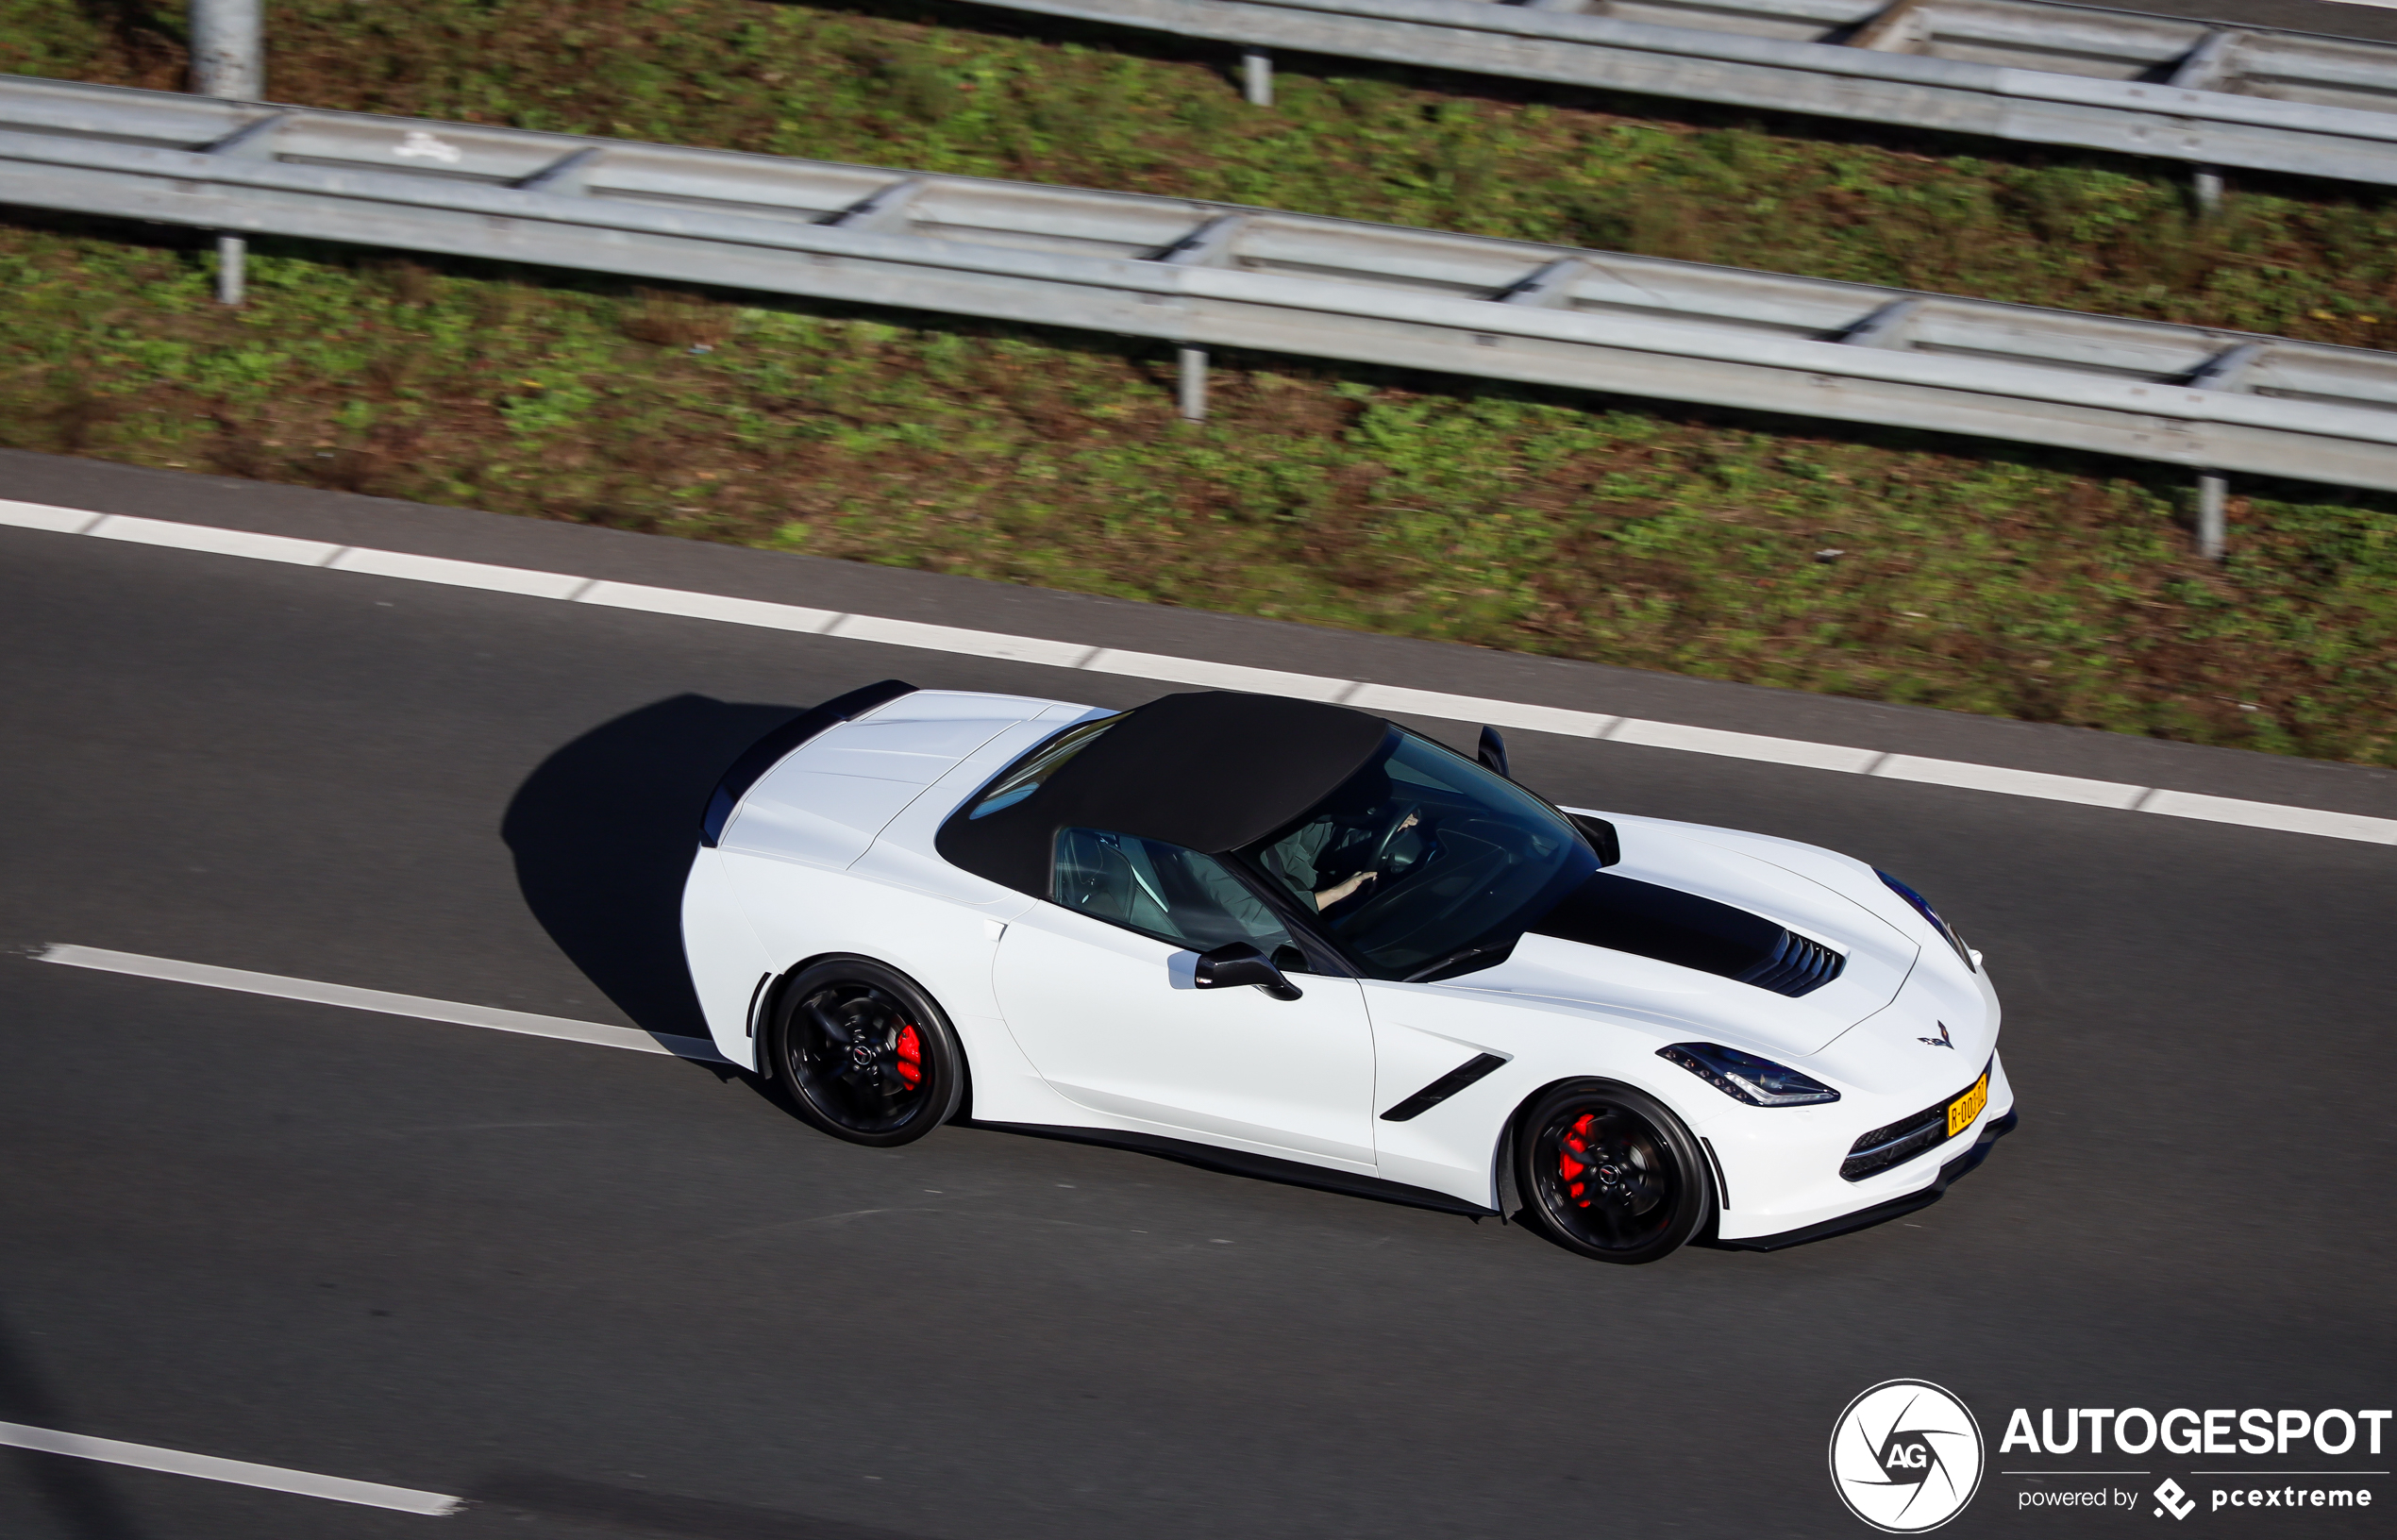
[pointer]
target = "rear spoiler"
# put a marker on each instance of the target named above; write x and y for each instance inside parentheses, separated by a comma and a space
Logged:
(770, 751)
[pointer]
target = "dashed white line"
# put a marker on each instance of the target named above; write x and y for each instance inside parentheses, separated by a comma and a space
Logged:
(1802, 753)
(491, 1018)
(209, 1467)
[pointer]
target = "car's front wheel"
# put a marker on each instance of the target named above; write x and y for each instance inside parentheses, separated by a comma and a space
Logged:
(1610, 1172)
(866, 1054)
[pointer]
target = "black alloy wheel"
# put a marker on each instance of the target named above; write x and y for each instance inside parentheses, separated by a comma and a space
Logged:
(1609, 1172)
(866, 1054)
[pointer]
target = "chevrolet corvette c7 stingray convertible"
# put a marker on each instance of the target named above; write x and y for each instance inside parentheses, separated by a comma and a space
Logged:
(1304, 942)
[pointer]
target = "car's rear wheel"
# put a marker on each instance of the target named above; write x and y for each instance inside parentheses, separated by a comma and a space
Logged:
(1610, 1172)
(866, 1054)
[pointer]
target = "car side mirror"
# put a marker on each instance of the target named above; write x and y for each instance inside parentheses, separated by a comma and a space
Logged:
(1236, 964)
(1601, 836)
(1493, 753)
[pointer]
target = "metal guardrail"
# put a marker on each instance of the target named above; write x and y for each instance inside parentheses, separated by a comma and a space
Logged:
(2024, 70)
(1206, 275)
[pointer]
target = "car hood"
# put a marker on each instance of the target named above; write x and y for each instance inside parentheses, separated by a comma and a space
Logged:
(1814, 895)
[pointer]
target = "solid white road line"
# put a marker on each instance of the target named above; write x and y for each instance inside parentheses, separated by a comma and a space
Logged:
(491, 1018)
(1989, 777)
(240, 1472)
(1029, 649)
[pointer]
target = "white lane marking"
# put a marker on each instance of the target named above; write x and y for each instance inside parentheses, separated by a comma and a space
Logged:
(2232, 810)
(1153, 665)
(1990, 778)
(240, 1472)
(441, 569)
(720, 607)
(1498, 713)
(997, 646)
(917, 633)
(64, 521)
(1741, 745)
(489, 1017)
(201, 537)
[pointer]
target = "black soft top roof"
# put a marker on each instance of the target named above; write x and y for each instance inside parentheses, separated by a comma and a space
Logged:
(1209, 771)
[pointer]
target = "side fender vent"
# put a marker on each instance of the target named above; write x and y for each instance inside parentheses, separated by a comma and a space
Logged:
(1443, 1088)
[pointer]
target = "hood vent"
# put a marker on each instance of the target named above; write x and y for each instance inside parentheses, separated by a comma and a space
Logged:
(1796, 966)
(1624, 915)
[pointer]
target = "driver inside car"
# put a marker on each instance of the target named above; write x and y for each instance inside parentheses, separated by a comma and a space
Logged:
(1330, 857)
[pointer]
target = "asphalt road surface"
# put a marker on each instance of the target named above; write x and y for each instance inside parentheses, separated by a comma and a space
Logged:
(600, 1293)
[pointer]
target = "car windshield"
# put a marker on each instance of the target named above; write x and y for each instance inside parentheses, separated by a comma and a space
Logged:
(1038, 765)
(1424, 863)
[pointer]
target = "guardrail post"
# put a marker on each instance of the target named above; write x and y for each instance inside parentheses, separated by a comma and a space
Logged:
(1256, 76)
(232, 269)
(2207, 184)
(2228, 370)
(2212, 488)
(1194, 384)
(228, 60)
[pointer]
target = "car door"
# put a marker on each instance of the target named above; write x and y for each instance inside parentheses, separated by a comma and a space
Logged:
(1098, 987)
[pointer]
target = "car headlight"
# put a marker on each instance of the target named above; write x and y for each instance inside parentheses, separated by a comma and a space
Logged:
(1922, 906)
(1743, 1076)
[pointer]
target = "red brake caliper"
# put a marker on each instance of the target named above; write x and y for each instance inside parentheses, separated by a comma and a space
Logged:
(911, 1057)
(1576, 1144)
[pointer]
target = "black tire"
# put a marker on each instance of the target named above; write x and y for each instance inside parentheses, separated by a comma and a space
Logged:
(1646, 1191)
(864, 1054)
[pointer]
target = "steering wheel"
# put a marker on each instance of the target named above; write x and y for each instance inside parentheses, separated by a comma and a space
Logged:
(1390, 832)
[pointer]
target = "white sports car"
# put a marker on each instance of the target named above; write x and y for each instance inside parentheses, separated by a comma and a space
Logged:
(1299, 941)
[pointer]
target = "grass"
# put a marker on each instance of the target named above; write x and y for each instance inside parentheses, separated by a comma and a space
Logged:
(912, 83)
(2017, 583)
(2026, 585)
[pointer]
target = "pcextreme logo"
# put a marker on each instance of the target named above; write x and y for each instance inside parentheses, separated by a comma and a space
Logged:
(1905, 1456)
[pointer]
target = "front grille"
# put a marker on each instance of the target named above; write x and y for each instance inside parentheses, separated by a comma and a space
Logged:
(1795, 966)
(1894, 1143)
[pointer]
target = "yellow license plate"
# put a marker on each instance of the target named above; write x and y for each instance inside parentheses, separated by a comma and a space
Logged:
(1962, 1111)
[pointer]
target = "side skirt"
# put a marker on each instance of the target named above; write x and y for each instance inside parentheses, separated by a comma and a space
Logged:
(1241, 1164)
(1879, 1212)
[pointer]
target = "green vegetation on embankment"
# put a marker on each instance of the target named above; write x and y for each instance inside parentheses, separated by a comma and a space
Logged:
(2020, 584)
(2013, 582)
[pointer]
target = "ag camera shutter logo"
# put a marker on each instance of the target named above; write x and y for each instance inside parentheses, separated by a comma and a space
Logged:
(1905, 1456)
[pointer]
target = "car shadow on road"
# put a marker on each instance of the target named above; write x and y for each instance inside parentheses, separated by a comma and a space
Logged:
(81, 1496)
(603, 832)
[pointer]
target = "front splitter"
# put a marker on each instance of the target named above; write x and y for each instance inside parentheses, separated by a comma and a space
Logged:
(1879, 1212)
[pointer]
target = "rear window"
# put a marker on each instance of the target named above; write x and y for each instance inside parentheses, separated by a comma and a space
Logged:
(1025, 777)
